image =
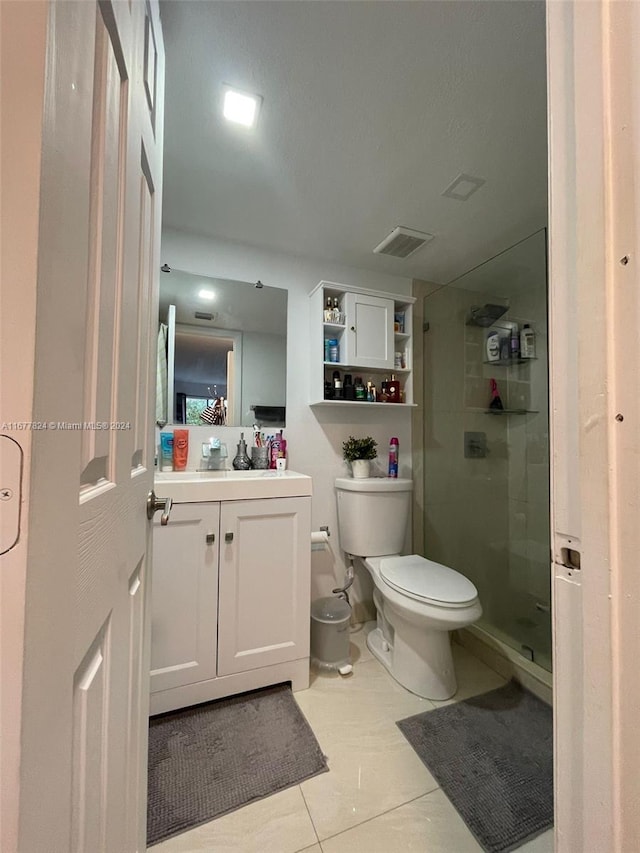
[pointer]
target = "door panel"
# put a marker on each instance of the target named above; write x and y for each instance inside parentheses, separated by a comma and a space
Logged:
(86, 657)
(184, 602)
(263, 592)
(369, 335)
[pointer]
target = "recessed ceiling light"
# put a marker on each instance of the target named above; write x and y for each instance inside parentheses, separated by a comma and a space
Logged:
(241, 107)
(209, 295)
(463, 187)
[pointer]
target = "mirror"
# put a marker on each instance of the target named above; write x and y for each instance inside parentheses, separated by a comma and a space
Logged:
(226, 352)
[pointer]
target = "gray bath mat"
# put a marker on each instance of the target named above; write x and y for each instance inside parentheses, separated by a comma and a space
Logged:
(493, 757)
(208, 760)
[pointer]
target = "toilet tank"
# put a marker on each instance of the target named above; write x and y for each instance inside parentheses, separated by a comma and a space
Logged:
(373, 514)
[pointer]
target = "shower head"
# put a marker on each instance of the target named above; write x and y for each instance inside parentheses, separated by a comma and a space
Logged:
(485, 315)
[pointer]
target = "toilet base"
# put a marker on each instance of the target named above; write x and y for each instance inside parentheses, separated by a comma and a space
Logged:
(421, 660)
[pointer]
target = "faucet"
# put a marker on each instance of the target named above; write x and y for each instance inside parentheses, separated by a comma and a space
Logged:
(214, 453)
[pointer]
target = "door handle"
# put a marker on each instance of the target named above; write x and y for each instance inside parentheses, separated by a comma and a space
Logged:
(154, 504)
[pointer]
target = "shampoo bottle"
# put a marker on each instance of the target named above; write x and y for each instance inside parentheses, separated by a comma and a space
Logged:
(393, 457)
(527, 342)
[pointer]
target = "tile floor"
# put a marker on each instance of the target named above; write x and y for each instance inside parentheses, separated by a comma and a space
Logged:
(378, 796)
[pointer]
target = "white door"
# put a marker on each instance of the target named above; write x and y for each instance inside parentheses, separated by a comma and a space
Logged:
(263, 591)
(184, 600)
(369, 335)
(82, 774)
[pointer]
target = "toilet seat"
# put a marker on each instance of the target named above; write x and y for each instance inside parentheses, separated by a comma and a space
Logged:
(426, 580)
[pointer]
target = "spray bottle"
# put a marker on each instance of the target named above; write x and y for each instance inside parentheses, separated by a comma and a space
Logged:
(394, 445)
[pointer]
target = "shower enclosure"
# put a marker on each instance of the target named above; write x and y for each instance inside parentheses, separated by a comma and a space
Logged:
(486, 464)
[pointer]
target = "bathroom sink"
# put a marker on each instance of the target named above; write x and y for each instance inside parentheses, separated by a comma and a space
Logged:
(197, 486)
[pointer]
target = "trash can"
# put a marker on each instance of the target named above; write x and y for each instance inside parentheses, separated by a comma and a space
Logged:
(330, 634)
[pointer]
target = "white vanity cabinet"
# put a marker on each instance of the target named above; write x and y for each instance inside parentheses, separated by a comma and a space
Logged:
(184, 597)
(264, 583)
(230, 598)
(373, 340)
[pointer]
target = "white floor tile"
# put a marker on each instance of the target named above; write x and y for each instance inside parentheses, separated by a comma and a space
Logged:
(429, 824)
(358, 639)
(542, 844)
(473, 676)
(277, 824)
(368, 694)
(372, 768)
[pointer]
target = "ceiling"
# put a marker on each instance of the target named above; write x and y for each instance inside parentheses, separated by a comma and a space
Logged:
(371, 110)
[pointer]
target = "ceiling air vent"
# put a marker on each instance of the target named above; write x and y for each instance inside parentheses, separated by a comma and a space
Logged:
(203, 315)
(402, 242)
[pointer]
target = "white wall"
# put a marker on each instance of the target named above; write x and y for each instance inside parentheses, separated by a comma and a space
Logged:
(315, 435)
(264, 363)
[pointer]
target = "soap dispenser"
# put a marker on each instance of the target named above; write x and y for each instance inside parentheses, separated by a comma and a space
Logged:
(241, 461)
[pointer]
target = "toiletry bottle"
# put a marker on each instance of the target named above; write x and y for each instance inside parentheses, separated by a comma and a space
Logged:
(241, 461)
(393, 390)
(328, 311)
(504, 347)
(527, 342)
(348, 390)
(166, 451)
(394, 445)
(334, 350)
(275, 450)
(337, 385)
(493, 346)
(514, 342)
(180, 449)
(336, 311)
(361, 393)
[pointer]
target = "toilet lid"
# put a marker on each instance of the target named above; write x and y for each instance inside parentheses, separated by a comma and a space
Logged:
(426, 579)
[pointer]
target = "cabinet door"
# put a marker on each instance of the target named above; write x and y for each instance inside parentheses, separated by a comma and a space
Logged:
(369, 336)
(184, 596)
(265, 556)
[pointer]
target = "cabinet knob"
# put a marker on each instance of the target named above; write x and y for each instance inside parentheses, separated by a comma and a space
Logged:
(353, 328)
(228, 537)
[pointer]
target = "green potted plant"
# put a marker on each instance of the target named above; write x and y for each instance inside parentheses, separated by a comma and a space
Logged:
(359, 452)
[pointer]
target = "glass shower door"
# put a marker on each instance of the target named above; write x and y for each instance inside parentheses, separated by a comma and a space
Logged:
(486, 441)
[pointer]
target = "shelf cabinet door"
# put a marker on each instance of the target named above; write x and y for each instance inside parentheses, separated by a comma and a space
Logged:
(265, 557)
(369, 335)
(184, 597)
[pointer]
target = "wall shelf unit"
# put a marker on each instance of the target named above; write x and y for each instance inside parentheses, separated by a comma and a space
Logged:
(378, 325)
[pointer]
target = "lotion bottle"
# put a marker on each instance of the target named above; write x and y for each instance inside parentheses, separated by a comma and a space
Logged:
(527, 342)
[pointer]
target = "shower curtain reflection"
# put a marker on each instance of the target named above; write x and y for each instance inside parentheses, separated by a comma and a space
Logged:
(486, 470)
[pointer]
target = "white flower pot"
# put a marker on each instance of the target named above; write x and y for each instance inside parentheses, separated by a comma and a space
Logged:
(360, 468)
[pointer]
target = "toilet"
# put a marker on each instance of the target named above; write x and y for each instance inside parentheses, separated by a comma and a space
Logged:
(418, 601)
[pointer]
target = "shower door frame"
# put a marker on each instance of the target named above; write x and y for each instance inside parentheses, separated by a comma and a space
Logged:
(593, 75)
